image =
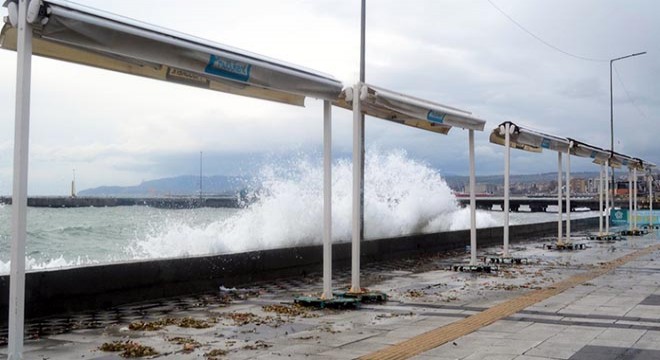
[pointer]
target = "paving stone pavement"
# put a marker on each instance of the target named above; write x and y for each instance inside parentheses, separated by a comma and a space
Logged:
(612, 316)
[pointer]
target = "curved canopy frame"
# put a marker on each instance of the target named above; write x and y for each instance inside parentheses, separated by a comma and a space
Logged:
(410, 111)
(600, 156)
(511, 135)
(75, 33)
(527, 139)
(585, 150)
(69, 32)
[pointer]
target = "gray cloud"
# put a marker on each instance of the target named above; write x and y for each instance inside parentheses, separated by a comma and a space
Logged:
(115, 129)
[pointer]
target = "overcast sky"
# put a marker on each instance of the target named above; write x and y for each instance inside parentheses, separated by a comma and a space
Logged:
(115, 129)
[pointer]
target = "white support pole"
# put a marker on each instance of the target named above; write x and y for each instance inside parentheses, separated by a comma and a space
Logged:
(607, 197)
(650, 180)
(473, 203)
(505, 207)
(357, 193)
(635, 198)
(327, 200)
(560, 182)
(568, 197)
(20, 181)
(630, 200)
(600, 201)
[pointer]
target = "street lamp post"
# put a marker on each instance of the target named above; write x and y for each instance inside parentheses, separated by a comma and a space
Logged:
(612, 119)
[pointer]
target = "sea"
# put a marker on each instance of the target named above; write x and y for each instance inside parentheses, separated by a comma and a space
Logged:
(402, 196)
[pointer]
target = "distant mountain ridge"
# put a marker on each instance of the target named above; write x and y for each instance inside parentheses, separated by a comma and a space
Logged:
(185, 185)
(188, 185)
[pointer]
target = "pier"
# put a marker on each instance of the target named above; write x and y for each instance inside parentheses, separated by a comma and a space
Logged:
(537, 204)
(157, 202)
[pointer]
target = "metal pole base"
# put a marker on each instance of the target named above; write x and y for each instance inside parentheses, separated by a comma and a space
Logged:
(566, 246)
(365, 296)
(634, 232)
(606, 237)
(487, 269)
(506, 260)
(320, 303)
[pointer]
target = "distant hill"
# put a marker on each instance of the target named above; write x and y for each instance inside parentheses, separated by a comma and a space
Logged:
(187, 185)
(172, 186)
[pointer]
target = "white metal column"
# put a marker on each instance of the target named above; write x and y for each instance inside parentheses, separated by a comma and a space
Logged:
(505, 207)
(568, 196)
(473, 203)
(650, 180)
(357, 193)
(607, 197)
(600, 201)
(20, 180)
(327, 200)
(560, 182)
(630, 200)
(635, 198)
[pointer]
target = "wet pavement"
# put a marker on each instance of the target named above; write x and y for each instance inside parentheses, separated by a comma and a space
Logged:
(611, 316)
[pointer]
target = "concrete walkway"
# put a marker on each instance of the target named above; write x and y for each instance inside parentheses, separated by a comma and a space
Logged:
(610, 310)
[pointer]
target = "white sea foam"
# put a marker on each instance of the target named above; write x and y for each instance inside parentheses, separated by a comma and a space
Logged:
(59, 262)
(402, 196)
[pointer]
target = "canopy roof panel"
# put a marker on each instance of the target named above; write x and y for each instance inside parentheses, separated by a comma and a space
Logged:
(535, 141)
(619, 160)
(648, 166)
(407, 110)
(528, 139)
(581, 149)
(79, 34)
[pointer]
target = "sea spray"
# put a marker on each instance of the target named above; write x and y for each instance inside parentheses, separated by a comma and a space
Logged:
(58, 262)
(402, 196)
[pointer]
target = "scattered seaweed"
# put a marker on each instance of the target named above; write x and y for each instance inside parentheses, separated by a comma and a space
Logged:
(159, 324)
(414, 293)
(189, 344)
(329, 329)
(393, 315)
(259, 344)
(246, 318)
(290, 310)
(215, 354)
(128, 349)
(309, 337)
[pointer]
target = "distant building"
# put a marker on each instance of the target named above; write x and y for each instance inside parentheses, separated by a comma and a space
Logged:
(483, 188)
(579, 186)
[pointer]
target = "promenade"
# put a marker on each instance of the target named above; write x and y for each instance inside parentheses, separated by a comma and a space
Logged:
(599, 303)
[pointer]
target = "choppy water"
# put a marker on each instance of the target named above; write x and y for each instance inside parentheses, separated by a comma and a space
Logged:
(402, 196)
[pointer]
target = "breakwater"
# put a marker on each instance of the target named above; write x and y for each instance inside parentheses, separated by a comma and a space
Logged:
(541, 204)
(157, 202)
(69, 290)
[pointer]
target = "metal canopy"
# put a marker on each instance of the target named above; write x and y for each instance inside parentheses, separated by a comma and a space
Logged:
(511, 135)
(527, 139)
(79, 34)
(65, 31)
(408, 110)
(618, 160)
(647, 165)
(600, 157)
(584, 150)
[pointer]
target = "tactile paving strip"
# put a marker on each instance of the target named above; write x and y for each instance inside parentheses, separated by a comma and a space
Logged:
(455, 330)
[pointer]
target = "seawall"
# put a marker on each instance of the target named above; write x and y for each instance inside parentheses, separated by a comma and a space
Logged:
(52, 292)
